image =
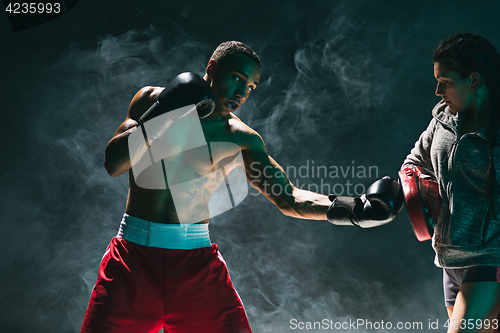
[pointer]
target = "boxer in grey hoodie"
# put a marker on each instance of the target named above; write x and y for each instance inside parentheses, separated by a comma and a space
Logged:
(461, 149)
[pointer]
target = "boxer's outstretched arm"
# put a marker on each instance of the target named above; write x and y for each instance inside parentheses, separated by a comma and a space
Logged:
(117, 159)
(267, 176)
(379, 205)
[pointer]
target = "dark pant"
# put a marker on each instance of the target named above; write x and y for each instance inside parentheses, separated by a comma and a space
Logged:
(454, 277)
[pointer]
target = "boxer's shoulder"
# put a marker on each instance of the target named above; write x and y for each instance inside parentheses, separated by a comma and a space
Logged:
(148, 93)
(142, 100)
(247, 137)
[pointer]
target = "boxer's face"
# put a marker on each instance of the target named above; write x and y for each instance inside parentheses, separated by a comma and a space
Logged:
(233, 81)
(455, 91)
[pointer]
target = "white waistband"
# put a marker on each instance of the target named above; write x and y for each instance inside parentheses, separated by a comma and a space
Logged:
(166, 236)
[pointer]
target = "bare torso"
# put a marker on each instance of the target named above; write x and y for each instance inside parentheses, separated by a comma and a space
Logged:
(158, 205)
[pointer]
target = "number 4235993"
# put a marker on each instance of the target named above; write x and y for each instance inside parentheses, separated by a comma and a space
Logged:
(33, 8)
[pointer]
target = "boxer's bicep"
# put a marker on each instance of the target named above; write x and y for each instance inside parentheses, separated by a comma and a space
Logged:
(267, 176)
(142, 100)
(117, 159)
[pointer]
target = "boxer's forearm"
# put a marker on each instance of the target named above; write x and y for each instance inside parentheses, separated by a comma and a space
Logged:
(307, 205)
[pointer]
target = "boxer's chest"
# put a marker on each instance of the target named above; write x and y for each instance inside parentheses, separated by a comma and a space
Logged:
(219, 147)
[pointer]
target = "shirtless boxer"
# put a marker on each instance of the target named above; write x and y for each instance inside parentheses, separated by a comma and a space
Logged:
(161, 271)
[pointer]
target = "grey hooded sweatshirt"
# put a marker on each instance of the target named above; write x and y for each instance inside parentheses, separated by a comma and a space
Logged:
(467, 231)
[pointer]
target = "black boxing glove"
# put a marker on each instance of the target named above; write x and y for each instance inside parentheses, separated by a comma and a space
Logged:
(185, 89)
(381, 203)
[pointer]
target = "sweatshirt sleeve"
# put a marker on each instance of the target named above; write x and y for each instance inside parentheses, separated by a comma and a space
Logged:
(420, 155)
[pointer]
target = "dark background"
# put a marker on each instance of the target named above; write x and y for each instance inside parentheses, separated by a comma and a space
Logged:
(344, 83)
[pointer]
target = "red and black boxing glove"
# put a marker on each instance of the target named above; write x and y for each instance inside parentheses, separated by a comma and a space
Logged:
(423, 202)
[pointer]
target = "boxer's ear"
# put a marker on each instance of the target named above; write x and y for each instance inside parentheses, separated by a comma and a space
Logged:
(211, 67)
(475, 79)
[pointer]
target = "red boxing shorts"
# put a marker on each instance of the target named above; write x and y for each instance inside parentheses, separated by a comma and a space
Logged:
(143, 289)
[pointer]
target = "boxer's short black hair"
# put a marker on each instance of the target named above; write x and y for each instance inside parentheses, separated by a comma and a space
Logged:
(227, 49)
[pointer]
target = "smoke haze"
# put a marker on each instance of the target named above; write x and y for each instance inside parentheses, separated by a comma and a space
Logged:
(344, 83)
